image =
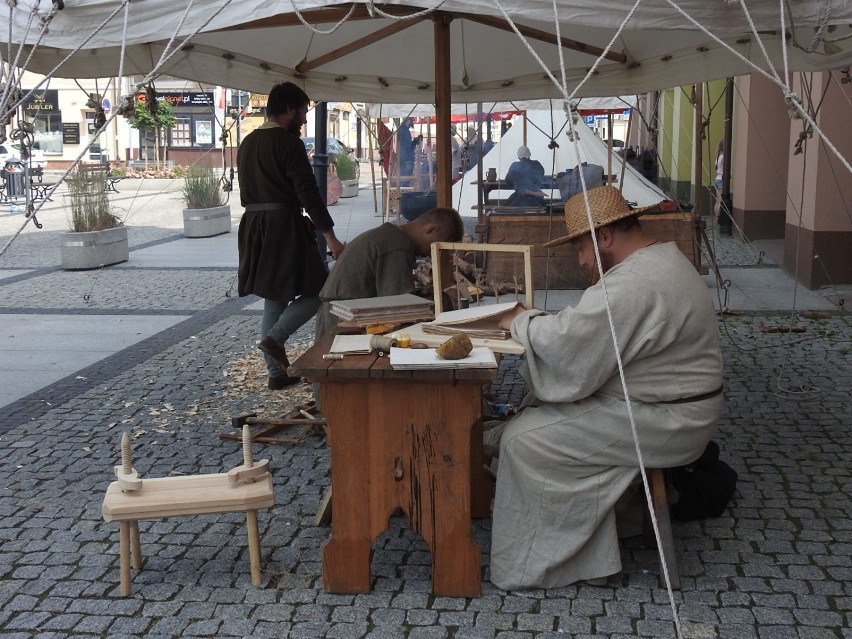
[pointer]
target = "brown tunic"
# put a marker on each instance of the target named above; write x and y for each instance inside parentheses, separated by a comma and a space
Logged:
(278, 255)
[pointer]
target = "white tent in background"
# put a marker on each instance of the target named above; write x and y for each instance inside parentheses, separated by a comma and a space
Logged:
(615, 103)
(542, 126)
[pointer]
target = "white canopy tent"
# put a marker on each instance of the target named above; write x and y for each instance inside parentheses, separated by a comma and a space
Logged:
(359, 50)
(421, 51)
(539, 133)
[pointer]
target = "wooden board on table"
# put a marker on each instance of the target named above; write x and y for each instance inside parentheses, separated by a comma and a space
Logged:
(385, 307)
(508, 346)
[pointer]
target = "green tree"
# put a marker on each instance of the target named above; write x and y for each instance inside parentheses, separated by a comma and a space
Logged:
(144, 120)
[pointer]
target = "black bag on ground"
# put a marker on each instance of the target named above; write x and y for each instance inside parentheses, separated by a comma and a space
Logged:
(703, 487)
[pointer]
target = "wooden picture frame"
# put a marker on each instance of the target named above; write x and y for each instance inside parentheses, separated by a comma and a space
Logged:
(525, 249)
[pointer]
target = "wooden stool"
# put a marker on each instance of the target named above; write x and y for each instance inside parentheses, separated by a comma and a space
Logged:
(246, 488)
(658, 483)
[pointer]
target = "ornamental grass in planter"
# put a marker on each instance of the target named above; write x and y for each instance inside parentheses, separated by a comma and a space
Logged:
(347, 170)
(206, 211)
(91, 209)
(97, 237)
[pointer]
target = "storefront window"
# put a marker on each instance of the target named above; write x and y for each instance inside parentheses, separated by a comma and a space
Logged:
(192, 130)
(203, 132)
(48, 133)
(42, 109)
(182, 132)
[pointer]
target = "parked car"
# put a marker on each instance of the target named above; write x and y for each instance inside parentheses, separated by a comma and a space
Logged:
(12, 153)
(334, 148)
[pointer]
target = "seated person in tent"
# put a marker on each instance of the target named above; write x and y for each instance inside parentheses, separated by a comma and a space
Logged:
(406, 145)
(569, 454)
(571, 184)
(525, 176)
(471, 148)
(380, 261)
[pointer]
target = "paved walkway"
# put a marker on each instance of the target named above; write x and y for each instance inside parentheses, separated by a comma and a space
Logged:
(160, 347)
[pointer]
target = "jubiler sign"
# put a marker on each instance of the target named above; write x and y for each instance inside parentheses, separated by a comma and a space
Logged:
(42, 102)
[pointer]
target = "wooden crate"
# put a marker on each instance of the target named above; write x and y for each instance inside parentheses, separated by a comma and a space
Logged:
(556, 267)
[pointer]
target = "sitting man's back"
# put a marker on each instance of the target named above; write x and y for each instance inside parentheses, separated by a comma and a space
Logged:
(380, 261)
(569, 455)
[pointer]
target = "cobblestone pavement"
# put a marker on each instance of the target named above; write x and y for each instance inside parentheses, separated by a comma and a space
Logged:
(776, 565)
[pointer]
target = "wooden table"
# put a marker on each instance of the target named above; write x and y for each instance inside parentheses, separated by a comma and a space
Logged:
(401, 439)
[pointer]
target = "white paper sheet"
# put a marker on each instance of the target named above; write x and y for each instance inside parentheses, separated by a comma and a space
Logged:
(417, 358)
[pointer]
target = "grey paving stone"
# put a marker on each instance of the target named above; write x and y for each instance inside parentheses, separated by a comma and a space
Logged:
(773, 566)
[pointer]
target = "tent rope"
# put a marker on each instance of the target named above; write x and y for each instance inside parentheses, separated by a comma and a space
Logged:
(622, 377)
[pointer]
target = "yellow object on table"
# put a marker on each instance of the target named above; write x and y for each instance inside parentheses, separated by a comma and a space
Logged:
(377, 329)
(403, 339)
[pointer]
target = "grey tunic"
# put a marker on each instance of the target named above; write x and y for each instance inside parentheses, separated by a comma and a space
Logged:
(376, 263)
(569, 454)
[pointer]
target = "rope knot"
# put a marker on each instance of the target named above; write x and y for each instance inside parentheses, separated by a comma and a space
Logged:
(151, 100)
(804, 134)
(126, 106)
(794, 105)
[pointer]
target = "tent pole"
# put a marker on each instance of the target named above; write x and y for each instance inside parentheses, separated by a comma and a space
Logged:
(370, 159)
(443, 185)
(609, 147)
(725, 222)
(480, 197)
(627, 146)
(321, 162)
(698, 165)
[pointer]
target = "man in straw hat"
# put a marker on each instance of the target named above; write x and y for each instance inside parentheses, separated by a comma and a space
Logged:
(569, 455)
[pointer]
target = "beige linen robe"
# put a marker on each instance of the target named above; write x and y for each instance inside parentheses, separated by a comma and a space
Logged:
(567, 457)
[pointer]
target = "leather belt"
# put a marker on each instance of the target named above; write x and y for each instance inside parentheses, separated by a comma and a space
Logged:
(269, 206)
(694, 398)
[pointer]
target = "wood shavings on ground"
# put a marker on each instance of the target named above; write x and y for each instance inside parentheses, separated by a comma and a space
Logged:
(246, 377)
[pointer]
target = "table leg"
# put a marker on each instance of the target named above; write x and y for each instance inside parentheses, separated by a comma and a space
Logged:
(481, 487)
(346, 556)
(435, 488)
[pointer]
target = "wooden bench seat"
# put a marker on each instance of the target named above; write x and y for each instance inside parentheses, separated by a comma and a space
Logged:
(246, 488)
(164, 497)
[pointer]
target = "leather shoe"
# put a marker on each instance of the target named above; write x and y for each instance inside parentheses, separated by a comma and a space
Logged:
(272, 348)
(277, 382)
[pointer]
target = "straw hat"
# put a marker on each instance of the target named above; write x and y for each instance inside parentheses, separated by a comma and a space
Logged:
(607, 206)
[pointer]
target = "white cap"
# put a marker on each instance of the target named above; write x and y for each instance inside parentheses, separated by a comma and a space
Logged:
(523, 152)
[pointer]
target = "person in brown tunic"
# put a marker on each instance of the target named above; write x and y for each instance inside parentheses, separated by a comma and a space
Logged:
(278, 255)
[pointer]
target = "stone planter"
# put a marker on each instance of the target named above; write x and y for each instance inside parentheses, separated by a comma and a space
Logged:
(350, 188)
(80, 250)
(207, 222)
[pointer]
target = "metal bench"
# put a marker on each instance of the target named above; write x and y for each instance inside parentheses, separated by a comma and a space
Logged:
(110, 181)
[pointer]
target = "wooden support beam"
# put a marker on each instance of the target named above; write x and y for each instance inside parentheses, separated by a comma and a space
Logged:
(307, 65)
(318, 16)
(543, 36)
